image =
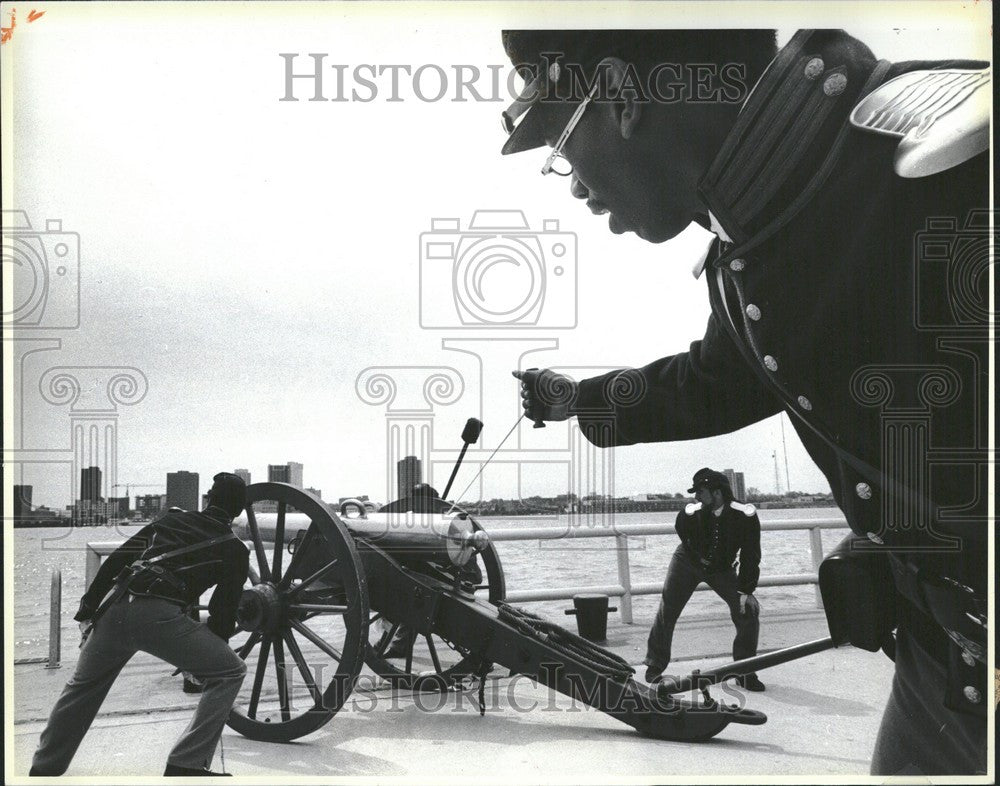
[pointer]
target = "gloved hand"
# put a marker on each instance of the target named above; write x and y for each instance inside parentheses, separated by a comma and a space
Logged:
(84, 612)
(546, 395)
(193, 684)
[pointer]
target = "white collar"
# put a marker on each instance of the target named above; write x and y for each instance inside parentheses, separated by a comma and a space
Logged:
(717, 228)
(717, 231)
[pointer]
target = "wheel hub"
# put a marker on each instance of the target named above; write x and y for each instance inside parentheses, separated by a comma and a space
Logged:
(261, 608)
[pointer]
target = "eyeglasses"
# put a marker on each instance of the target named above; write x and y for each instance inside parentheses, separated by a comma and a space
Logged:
(557, 163)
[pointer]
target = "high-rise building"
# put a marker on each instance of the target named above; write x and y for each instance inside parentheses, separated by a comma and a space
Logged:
(737, 483)
(119, 506)
(182, 490)
(89, 512)
(285, 473)
(149, 505)
(408, 475)
(90, 484)
(243, 473)
(317, 492)
(22, 502)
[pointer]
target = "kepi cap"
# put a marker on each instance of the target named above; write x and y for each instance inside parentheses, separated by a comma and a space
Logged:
(547, 59)
(708, 477)
(228, 492)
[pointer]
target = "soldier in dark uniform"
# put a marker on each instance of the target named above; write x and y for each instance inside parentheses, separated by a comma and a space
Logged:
(849, 288)
(715, 531)
(187, 553)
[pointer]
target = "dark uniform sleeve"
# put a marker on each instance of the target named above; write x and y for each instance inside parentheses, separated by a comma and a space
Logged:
(120, 558)
(226, 596)
(704, 392)
(749, 555)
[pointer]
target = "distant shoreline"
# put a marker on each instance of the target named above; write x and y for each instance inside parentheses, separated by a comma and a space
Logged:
(67, 524)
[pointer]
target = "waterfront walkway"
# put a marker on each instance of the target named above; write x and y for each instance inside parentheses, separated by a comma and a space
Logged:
(823, 713)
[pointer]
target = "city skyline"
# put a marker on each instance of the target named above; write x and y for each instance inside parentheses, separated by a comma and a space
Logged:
(408, 469)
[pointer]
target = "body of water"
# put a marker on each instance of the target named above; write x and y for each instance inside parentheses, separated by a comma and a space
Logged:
(527, 565)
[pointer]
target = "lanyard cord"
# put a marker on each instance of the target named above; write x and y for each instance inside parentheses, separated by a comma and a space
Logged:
(483, 466)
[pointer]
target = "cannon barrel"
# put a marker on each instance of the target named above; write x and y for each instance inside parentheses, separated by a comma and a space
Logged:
(435, 537)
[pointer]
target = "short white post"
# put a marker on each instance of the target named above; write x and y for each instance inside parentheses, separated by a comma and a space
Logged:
(816, 547)
(55, 620)
(93, 565)
(624, 578)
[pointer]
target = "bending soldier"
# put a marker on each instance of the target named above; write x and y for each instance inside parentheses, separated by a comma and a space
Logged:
(849, 201)
(146, 585)
(714, 532)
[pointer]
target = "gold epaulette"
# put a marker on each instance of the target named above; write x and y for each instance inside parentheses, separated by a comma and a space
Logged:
(942, 118)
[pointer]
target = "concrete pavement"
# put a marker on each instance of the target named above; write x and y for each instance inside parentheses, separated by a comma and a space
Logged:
(823, 713)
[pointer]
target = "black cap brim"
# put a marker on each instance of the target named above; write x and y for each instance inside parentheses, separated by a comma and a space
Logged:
(527, 135)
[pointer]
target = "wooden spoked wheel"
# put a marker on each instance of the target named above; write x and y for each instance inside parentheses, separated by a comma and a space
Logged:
(303, 618)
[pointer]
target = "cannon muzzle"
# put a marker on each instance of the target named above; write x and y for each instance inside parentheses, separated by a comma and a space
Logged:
(437, 537)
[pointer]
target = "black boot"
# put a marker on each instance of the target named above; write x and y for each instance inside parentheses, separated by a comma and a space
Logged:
(188, 772)
(36, 773)
(750, 682)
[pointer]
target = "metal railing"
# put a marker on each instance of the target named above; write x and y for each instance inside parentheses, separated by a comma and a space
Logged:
(625, 589)
(55, 625)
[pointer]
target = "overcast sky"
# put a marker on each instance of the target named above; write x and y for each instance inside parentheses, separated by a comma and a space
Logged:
(252, 257)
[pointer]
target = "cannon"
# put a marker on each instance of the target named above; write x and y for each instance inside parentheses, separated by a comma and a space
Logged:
(416, 592)
(310, 626)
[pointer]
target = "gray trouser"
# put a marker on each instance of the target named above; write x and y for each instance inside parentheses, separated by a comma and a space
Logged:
(683, 575)
(919, 735)
(161, 629)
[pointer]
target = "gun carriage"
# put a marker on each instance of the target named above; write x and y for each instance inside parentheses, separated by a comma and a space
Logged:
(423, 578)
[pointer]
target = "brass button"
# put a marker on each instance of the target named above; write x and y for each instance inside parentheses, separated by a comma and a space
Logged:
(968, 658)
(875, 538)
(863, 490)
(737, 265)
(805, 403)
(972, 695)
(770, 363)
(835, 84)
(814, 68)
(753, 312)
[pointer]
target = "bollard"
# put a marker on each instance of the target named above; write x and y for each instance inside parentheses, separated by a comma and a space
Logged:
(591, 616)
(55, 620)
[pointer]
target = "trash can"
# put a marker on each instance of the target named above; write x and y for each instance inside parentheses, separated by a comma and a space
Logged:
(591, 613)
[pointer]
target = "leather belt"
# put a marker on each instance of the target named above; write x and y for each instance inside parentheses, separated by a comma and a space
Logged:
(952, 605)
(947, 620)
(156, 582)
